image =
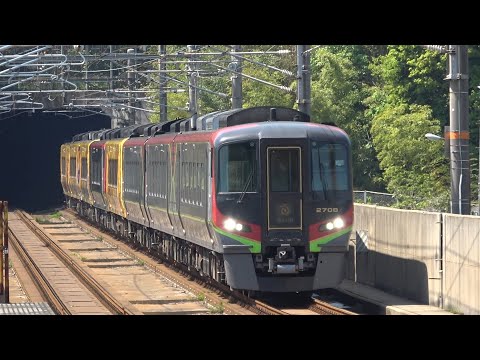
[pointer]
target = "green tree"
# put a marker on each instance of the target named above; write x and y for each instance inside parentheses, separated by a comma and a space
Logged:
(340, 82)
(408, 99)
(415, 169)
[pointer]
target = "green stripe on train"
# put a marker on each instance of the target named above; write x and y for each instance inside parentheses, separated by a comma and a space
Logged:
(255, 246)
(315, 244)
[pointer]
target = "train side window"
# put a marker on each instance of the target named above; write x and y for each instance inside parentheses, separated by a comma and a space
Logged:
(112, 172)
(84, 168)
(96, 167)
(73, 166)
(63, 165)
(238, 166)
(329, 167)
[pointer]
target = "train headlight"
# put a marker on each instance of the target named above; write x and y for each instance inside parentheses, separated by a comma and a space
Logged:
(338, 223)
(230, 224)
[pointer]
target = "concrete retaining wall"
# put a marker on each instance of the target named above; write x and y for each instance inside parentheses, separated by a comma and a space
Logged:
(462, 263)
(399, 251)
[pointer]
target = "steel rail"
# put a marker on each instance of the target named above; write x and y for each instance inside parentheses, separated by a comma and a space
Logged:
(43, 284)
(88, 280)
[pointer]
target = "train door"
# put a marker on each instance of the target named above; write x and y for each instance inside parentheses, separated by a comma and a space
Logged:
(284, 188)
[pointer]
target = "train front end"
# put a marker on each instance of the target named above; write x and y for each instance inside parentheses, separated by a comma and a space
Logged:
(283, 205)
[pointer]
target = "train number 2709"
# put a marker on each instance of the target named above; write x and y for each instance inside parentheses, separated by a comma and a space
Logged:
(330, 210)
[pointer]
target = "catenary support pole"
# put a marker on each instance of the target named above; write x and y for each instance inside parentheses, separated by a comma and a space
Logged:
(192, 88)
(162, 79)
(459, 133)
(237, 100)
(303, 79)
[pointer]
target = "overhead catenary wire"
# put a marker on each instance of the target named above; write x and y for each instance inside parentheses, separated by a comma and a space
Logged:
(27, 69)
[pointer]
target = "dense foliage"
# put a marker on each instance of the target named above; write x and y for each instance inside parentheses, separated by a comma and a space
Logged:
(386, 98)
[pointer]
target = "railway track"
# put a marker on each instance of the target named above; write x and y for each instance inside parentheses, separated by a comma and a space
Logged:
(103, 294)
(136, 287)
(324, 308)
(218, 296)
(232, 302)
(61, 287)
(42, 282)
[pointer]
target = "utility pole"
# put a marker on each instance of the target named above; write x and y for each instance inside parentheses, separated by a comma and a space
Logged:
(192, 86)
(459, 133)
(236, 79)
(130, 77)
(162, 79)
(303, 79)
(110, 82)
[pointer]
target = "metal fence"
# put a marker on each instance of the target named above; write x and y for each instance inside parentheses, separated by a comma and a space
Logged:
(374, 198)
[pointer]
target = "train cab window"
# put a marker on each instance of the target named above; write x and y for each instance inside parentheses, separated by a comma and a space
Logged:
(64, 166)
(284, 170)
(329, 167)
(238, 166)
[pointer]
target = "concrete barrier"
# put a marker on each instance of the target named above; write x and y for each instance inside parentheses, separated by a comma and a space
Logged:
(462, 263)
(399, 251)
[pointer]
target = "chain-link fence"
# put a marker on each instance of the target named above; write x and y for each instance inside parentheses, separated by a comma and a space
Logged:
(373, 197)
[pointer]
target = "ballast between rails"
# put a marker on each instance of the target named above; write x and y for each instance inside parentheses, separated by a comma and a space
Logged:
(102, 294)
(44, 285)
(202, 286)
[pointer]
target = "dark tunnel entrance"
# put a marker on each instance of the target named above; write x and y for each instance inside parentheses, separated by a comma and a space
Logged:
(29, 155)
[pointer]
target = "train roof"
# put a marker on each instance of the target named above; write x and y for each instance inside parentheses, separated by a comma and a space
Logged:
(212, 121)
(234, 117)
(284, 129)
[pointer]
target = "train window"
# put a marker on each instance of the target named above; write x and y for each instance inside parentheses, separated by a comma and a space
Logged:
(202, 183)
(112, 172)
(238, 166)
(73, 166)
(84, 168)
(64, 167)
(329, 167)
(96, 167)
(284, 170)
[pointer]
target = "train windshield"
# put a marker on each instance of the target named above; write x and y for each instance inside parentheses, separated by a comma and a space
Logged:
(329, 168)
(238, 166)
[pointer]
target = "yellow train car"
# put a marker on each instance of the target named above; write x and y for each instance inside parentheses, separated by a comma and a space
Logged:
(114, 175)
(84, 164)
(64, 167)
(73, 179)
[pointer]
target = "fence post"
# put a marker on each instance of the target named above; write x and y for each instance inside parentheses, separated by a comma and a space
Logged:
(364, 196)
